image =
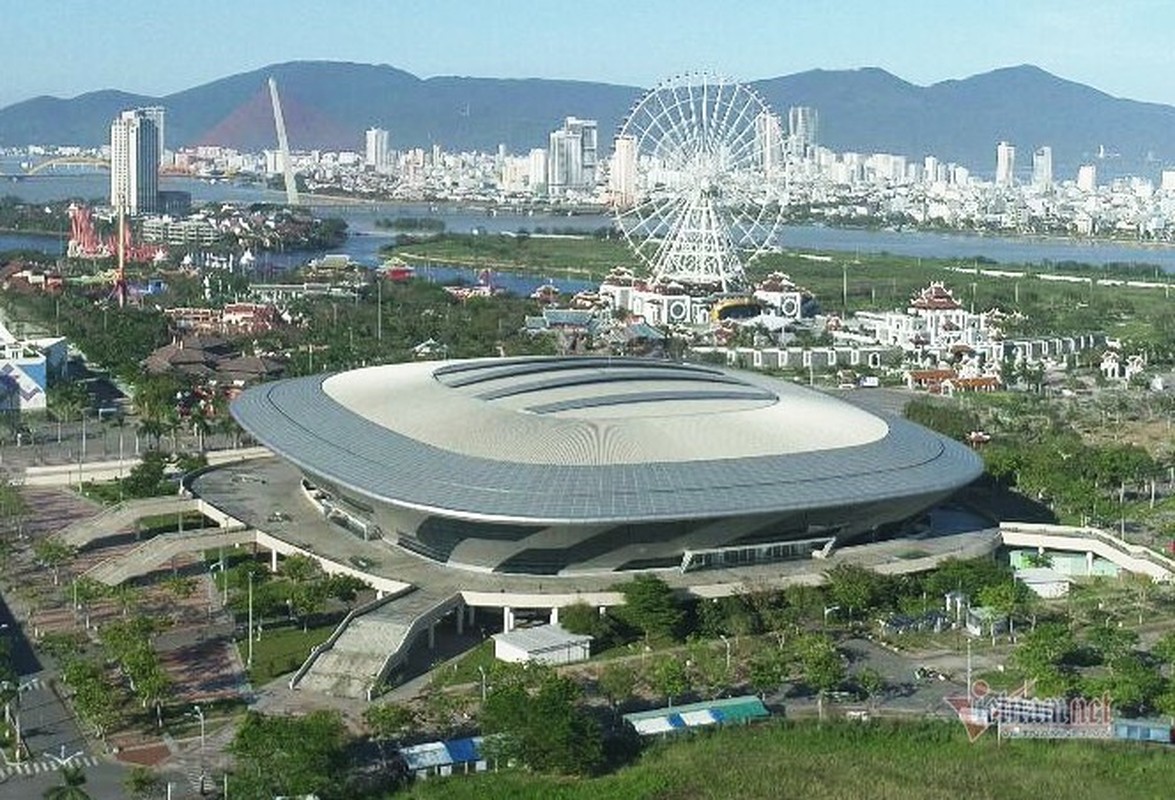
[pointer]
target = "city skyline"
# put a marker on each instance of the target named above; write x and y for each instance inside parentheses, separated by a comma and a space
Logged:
(150, 52)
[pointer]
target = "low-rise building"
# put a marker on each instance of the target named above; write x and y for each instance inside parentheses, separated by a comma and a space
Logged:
(27, 368)
(546, 644)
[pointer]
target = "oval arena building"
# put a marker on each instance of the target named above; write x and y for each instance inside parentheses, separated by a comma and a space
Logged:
(573, 466)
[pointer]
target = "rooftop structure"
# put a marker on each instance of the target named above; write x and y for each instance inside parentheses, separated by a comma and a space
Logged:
(698, 715)
(546, 644)
(578, 465)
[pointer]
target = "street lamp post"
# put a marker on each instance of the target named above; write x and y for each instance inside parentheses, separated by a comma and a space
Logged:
(482, 670)
(212, 589)
(726, 642)
(199, 712)
(828, 610)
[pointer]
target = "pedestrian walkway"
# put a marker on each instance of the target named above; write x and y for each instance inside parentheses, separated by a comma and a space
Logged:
(44, 764)
(366, 646)
(192, 761)
(121, 516)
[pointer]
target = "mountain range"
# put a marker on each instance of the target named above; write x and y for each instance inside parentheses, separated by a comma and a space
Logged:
(329, 104)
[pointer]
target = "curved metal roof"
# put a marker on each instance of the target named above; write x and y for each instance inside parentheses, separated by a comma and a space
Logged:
(587, 440)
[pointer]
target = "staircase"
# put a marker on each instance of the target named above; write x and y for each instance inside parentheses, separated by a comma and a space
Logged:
(366, 646)
(120, 517)
(157, 551)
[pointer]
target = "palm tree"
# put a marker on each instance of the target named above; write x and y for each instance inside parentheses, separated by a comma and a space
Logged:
(73, 778)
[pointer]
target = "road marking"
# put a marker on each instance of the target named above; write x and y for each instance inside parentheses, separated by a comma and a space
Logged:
(28, 768)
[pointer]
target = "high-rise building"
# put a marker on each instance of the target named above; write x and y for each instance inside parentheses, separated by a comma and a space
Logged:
(1087, 177)
(1042, 167)
(802, 128)
(536, 169)
(134, 163)
(378, 155)
(1005, 164)
(769, 143)
(622, 174)
(931, 169)
(158, 115)
(571, 156)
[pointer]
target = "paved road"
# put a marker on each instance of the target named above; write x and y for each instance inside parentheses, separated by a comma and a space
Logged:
(48, 729)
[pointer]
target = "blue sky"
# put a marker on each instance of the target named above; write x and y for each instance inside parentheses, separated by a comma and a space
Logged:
(155, 47)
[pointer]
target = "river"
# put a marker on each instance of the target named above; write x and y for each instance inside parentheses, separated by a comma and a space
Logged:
(364, 244)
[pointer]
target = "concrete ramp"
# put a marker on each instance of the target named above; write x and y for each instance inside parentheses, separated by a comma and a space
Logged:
(365, 646)
(159, 550)
(119, 518)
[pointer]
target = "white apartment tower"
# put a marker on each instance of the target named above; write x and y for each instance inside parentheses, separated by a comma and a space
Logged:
(1005, 164)
(1087, 177)
(134, 163)
(769, 143)
(536, 170)
(571, 157)
(378, 153)
(1042, 167)
(622, 175)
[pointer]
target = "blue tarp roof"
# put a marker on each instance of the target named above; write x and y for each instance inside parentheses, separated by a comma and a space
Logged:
(440, 754)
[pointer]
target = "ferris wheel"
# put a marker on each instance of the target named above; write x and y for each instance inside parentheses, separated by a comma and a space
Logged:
(702, 155)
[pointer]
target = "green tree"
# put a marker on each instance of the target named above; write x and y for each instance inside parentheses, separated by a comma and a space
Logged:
(1111, 642)
(542, 724)
(142, 783)
(651, 606)
(1043, 653)
(299, 568)
(13, 508)
(388, 720)
(855, 589)
(669, 678)
(288, 755)
(617, 682)
(709, 673)
(1008, 599)
(1133, 685)
(1164, 648)
(872, 683)
(822, 666)
(767, 669)
(72, 780)
(586, 620)
(66, 402)
(53, 554)
(146, 479)
(344, 588)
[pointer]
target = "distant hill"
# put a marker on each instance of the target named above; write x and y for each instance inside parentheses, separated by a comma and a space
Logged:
(328, 105)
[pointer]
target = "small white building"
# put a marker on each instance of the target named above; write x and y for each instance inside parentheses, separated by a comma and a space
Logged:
(1044, 582)
(546, 644)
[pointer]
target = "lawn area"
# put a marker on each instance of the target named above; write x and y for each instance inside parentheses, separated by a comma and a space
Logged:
(283, 650)
(909, 761)
(465, 669)
(554, 256)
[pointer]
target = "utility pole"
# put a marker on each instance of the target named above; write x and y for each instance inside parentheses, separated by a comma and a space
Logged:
(249, 660)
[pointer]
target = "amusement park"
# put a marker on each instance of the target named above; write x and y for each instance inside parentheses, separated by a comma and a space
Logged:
(720, 482)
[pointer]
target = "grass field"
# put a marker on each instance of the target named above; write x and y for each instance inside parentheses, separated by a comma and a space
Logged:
(913, 761)
(862, 281)
(282, 651)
